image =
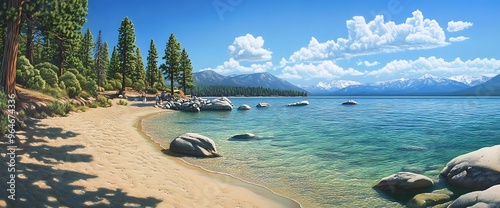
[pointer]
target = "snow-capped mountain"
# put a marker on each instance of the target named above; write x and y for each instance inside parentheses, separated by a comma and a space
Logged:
(470, 80)
(425, 85)
(323, 88)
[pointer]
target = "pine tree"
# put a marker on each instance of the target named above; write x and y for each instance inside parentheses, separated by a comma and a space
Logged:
(114, 65)
(126, 47)
(152, 70)
(171, 68)
(186, 73)
(139, 75)
(62, 22)
(101, 59)
(87, 44)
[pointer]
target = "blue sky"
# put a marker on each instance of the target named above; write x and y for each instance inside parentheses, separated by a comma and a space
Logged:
(305, 42)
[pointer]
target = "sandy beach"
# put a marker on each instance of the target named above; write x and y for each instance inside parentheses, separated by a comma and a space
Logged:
(100, 158)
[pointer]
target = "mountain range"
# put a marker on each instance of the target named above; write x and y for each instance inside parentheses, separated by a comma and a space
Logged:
(265, 80)
(425, 85)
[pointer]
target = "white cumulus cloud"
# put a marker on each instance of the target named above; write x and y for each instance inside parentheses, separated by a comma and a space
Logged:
(376, 36)
(325, 69)
(439, 66)
(367, 63)
(458, 26)
(249, 48)
(458, 39)
(233, 66)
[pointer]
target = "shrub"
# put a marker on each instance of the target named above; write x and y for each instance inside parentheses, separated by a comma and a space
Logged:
(84, 94)
(3, 106)
(50, 77)
(62, 85)
(151, 90)
(159, 86)
(139, 85)
(94, 105)
(91, 87)
(103, 101)
(122, 102)
(56, 108)
(47, 65)
(36, 83)
(72, 70)
(69, 106)
(24, 70)
(72, 84)
(115, 84)
(55, 92)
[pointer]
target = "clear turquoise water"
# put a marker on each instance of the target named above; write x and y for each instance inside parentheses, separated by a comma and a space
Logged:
(329, 155)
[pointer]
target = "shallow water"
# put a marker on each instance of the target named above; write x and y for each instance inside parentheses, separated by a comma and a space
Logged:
(329, 155)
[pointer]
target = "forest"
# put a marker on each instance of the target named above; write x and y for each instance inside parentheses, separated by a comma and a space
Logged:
(213, 91)
(56, 55)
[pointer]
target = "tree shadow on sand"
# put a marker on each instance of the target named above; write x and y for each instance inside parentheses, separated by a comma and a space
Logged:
(42, 185)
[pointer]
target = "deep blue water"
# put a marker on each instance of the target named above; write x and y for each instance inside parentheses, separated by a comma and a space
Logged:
(329, 155)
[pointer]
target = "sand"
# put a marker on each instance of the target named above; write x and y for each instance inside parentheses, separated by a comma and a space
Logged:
(100, 158)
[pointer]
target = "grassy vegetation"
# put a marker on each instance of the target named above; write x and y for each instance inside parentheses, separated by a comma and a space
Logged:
(122, 102)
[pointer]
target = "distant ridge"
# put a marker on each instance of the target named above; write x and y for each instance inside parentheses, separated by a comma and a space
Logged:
(265, 80)
(488, 88)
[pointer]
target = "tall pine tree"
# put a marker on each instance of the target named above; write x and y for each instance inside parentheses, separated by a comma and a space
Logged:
(139, 75)
(114, 65)
(101, 59)
(152, 72)
(186, 74)
(86, 58)
(126, 48)
(8, 76)
(171, 68)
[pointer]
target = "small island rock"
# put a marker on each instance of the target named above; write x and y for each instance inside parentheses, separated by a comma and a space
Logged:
(477, 170)
(487, 198)
(300, 103)
(195, 145)
(263, 105)
(243, 136)
(244, 107)
(403, 181)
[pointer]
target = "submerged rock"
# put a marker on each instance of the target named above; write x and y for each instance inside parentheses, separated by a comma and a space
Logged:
(244, 107)
(403, 181)
(243, 136)
(487, 198)
(195, 145)
(263, 105)
(428, 200)
(300, 103)
(477, 170)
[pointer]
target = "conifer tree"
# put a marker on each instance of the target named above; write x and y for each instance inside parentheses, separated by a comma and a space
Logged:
(13, 19)
(126, 48)
(171, 68)
(139, 75)
(186, 74)
(152, 72)
(101, 59)
(114, 65)
(87, 44)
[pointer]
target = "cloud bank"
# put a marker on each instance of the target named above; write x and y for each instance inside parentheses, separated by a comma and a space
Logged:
(249, 48)
(458, 26)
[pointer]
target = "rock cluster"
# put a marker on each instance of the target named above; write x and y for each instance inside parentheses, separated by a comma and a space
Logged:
(477, 171)
(196, 104)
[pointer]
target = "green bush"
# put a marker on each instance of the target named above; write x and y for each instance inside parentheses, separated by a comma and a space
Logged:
(103, 101)
(69, 106)
(50, 77)
(94, 105)
(151, 90)
(36, 83)
(84, 94)
(3, 106)
(122, 102)
(24, 70)
(62, 85)
(73, 87)
(72, 70)
(159, 86)
(55, 92)
(47, 65)
(91, 87)
(128, 82)
(139, 86)
(56, 108)
(115, 84)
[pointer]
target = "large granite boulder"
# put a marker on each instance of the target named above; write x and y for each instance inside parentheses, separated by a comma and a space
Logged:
(244, 107)
(476, 170)
(222, 103)
(403, 181)
(195, 145)
(489, 198)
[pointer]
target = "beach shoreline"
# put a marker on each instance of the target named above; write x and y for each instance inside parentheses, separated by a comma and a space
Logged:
(100, 157)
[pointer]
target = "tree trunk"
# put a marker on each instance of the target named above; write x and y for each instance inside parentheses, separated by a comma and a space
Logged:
(171, 83)
(29, 39)
(10, 49)
(62, 57)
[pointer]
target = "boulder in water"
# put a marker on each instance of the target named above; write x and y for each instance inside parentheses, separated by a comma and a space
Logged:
(263, 105)
(477, 170)
(487, 198)
(195, 145)
(403, 181)
(244, 107)
(300, 103)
